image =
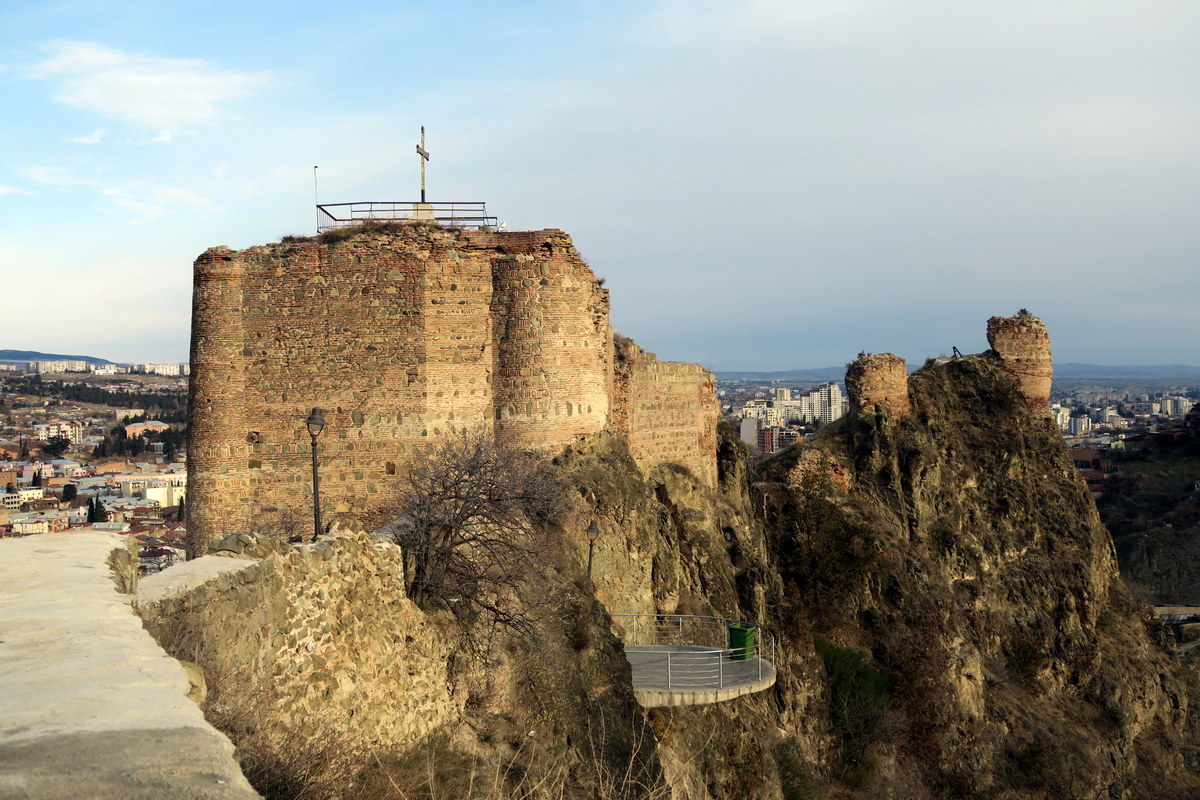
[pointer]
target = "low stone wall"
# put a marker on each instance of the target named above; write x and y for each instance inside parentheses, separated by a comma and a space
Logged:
(315, 648)
(92, 707)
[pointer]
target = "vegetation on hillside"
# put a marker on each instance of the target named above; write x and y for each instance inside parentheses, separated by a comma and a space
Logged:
(1152, 509)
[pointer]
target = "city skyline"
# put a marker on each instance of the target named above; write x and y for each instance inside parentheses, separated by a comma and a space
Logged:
(764, 185)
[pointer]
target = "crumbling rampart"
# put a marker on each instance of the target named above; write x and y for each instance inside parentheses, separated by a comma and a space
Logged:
(402, 335)
(1024, 349)
(879, 379)
(667, 411)
(1020, 343)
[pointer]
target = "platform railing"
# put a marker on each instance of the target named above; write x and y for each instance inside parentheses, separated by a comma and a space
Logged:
(458, 214)
(695, 651)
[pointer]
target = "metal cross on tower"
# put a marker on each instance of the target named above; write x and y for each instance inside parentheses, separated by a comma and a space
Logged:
(424, 154)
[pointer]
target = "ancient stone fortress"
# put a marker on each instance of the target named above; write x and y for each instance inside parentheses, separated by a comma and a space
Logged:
(405, 334)
(1021, 343)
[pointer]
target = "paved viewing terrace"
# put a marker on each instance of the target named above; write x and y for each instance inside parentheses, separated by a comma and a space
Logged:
(681, 660)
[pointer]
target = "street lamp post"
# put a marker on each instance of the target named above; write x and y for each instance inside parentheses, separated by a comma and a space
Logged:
(316, 424)
(592, 533)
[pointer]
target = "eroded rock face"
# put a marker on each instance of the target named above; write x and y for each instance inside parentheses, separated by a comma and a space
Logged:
(974, 570)
(949, 556)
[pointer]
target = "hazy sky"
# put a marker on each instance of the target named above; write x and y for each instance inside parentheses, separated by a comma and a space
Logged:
(766, 184)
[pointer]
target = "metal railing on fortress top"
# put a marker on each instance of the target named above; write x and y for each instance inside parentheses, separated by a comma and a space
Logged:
(681, 652)
(451, 215)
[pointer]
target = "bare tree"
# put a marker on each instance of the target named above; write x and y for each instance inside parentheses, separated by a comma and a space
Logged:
(474, 506)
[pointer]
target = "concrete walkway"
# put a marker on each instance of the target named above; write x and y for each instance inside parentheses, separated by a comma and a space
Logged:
(90, 706)
(685, 675)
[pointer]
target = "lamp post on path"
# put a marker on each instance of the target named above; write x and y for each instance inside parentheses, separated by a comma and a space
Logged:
(316, 424)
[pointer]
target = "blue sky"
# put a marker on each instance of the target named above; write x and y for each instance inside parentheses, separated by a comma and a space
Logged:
(766, 184)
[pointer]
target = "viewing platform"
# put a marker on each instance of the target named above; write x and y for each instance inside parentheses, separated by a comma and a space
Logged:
(451, 215)
(683, 660)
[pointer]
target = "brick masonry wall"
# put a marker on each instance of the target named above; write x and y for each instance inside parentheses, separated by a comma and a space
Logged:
(667, 411)
(879, 379)
(402, 337)
(554, 342)
(1023, 345)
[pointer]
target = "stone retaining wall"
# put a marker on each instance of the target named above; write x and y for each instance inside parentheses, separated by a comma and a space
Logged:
(309, 646)
(92, 707)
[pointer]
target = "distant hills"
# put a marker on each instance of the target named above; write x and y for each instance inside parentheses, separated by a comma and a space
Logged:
(34, 355)
(1159, 372)
(817, 375)
(1069, 371)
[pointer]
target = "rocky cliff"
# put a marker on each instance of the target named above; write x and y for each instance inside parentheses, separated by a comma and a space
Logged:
(949, 617)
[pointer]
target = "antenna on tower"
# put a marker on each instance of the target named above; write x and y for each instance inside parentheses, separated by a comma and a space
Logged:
(316, 200)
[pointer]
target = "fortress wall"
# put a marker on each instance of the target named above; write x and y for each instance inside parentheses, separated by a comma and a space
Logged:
(879, 379)
(1023, 345)
(388, 333)
(554, 360)
(403, 336)
(218, 479)
(667, 411)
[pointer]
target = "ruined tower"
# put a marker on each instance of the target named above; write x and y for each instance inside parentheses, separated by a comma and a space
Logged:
(879, 379)
(1023, 345)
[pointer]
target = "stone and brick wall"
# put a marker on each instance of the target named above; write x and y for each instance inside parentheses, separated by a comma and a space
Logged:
(879, 379)
(1023, 345)
(403, 336)
(667, 411)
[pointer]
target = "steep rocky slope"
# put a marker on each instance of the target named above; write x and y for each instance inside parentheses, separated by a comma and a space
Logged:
(949, 617)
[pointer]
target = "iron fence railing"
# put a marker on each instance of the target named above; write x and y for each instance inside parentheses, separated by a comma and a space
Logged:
(453, 215)
(680, 652)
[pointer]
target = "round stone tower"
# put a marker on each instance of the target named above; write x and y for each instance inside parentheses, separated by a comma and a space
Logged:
(216, 460)
(1023, 346)
(879, 379)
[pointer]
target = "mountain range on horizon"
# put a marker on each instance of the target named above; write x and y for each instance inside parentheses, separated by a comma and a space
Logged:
(1074, 371)
(1066, 371)
(34, 355)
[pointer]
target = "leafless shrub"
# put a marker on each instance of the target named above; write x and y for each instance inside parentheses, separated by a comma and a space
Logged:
(474, 508)
(287, 524)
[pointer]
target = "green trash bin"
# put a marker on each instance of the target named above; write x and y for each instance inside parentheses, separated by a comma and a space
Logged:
(741, 641)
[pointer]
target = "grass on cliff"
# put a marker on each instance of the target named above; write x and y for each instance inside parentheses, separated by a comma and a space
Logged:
(859, 698)
(369, 226)
(436, 769)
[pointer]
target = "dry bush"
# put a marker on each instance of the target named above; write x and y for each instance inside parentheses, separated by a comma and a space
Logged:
(475, 508)
(437, 771)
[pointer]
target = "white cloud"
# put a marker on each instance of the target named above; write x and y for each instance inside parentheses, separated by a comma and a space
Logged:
(143, 200)
(14, 190)
(92, 138)
(154, 202)
(161, 94)
(56, 176)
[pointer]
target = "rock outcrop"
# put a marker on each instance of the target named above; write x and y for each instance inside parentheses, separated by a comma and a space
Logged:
(946, 602)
